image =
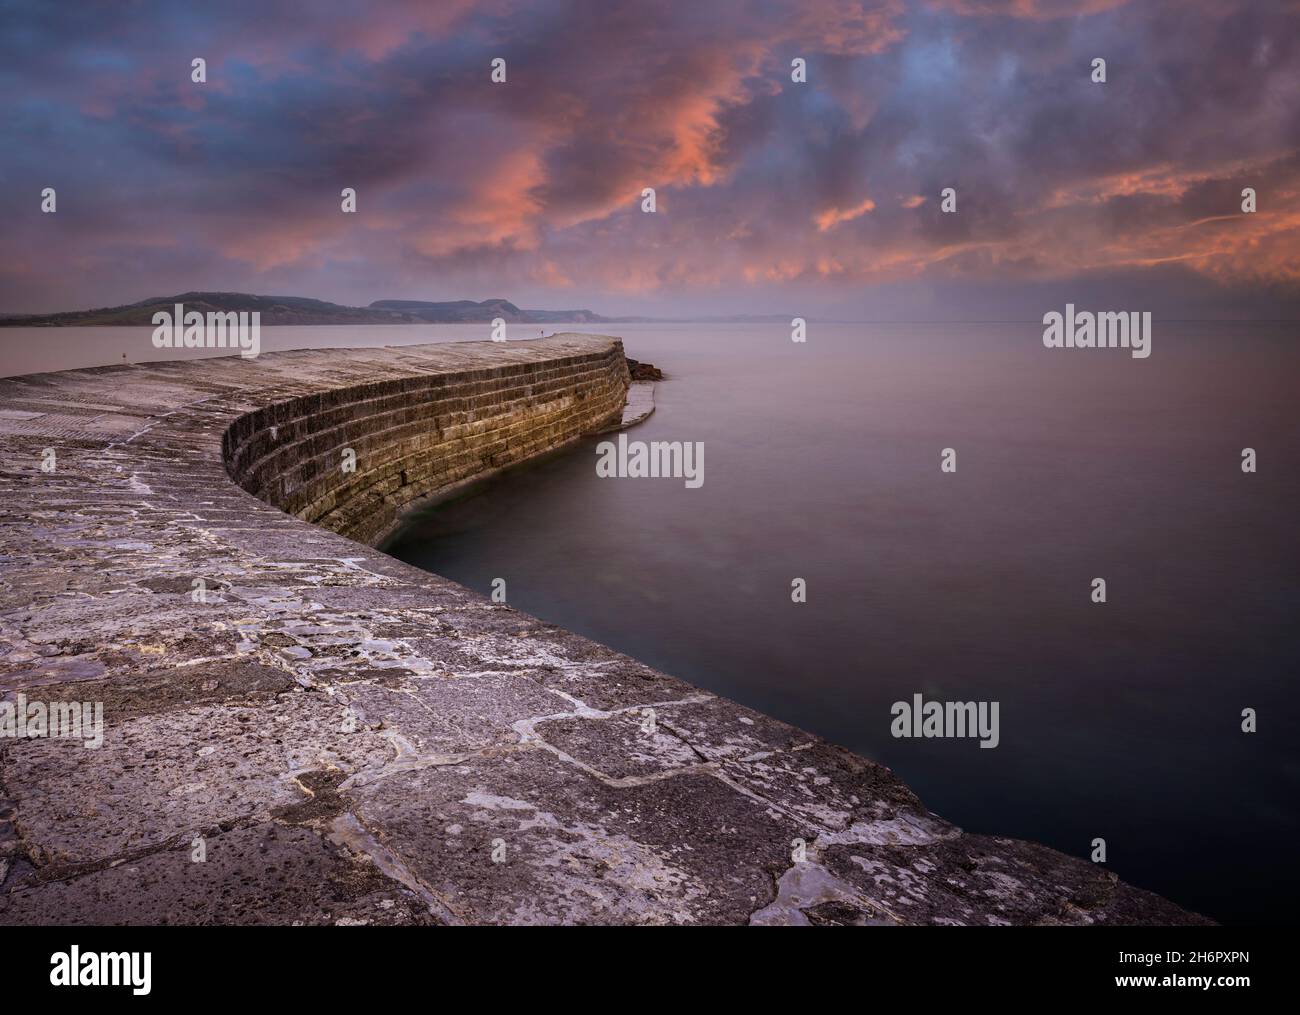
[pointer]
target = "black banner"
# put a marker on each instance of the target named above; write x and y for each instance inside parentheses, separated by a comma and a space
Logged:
(151, 965)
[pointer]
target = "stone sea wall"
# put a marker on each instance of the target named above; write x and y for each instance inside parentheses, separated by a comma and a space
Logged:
(298, 728)
(415, 436)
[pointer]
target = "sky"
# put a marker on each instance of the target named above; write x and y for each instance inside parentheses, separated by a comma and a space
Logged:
(817, 198)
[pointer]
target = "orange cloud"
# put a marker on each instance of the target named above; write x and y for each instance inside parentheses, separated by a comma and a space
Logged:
(832, 217)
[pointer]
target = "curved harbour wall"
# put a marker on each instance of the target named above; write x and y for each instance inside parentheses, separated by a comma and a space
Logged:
(415, 436)
(352, 740)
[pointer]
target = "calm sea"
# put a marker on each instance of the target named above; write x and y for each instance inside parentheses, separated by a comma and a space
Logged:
(1119, 720)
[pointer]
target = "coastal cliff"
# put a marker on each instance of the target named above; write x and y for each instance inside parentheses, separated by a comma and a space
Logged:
(348, 739)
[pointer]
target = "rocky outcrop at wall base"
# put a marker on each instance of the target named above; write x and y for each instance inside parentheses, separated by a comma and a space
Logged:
(644, 371)
(302, 729)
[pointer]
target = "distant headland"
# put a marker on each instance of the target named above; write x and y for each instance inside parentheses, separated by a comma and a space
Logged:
(303, 310)
(278, 310)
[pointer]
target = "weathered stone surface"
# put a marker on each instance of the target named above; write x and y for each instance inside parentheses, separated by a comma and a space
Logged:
(178, 773)
(576, 849)
(357, 741)
(265, 873)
